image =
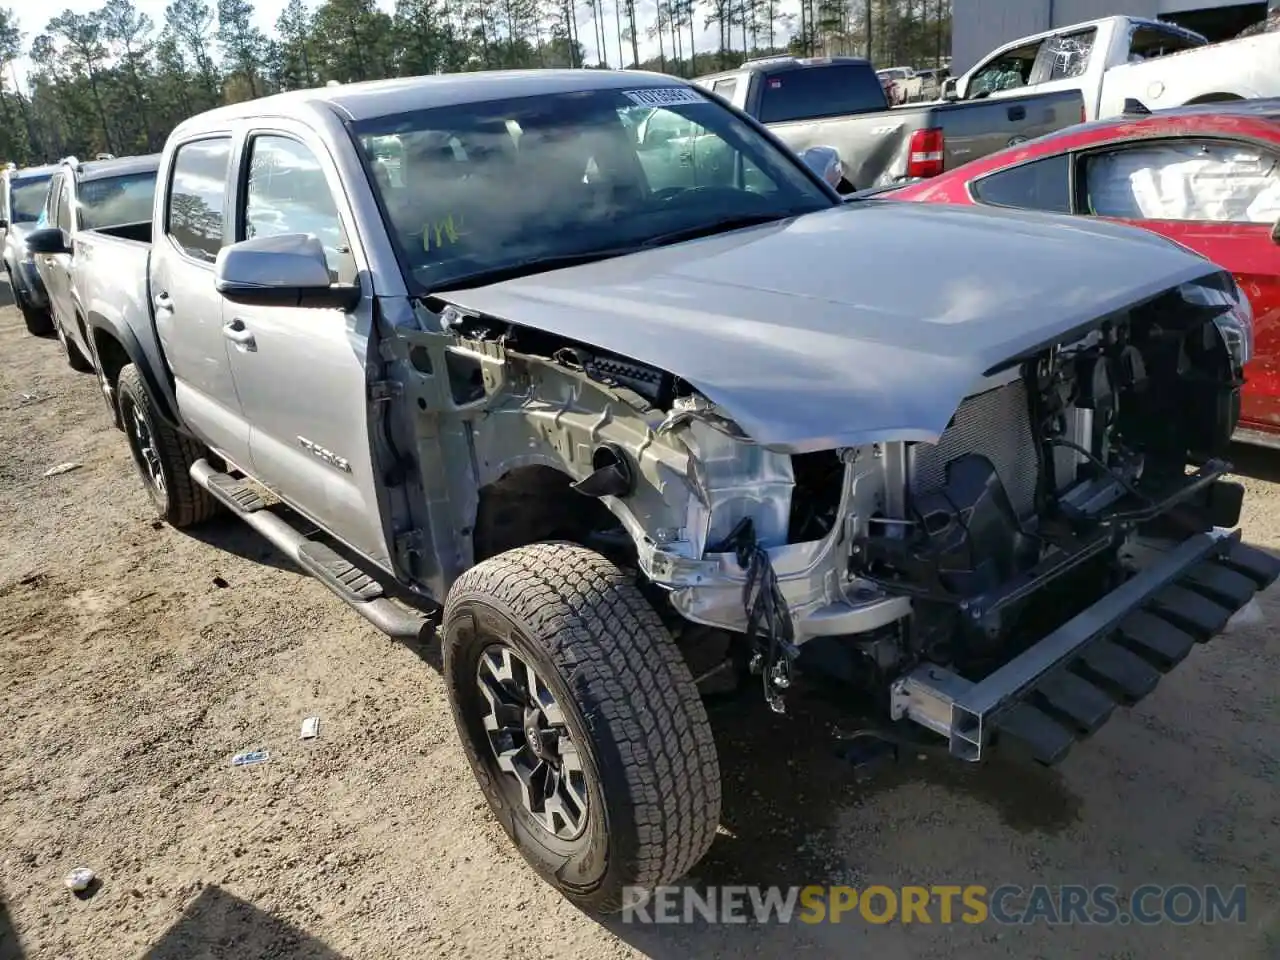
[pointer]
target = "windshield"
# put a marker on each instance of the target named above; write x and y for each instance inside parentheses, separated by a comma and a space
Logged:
(810, 93)
(482, 188)
(26, 198)
(116, 201)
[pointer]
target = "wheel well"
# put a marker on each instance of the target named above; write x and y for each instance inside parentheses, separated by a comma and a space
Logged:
(1213, 98)
(533, 504)
(112, 356)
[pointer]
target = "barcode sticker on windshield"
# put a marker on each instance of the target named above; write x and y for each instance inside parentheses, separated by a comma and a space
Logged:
(664, 96)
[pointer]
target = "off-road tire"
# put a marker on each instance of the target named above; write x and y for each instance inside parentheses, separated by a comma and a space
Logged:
(181, 502)
(76, 359)
(39, 323)
(630, 703)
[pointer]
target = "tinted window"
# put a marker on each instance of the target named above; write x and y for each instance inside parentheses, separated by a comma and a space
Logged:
(1040, 185)
(27, 199)
(287, 193)
(196, 197)
(116, 201)
(812, 92)
(63, 216)
(1212, 182)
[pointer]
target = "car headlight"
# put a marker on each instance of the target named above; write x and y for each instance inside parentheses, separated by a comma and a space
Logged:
(1235, 324)
(1236, 327)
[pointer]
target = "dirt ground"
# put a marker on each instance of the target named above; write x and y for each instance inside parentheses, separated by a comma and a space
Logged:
(136, 660)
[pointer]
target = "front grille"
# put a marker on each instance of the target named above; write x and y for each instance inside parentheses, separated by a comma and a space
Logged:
(995, 424)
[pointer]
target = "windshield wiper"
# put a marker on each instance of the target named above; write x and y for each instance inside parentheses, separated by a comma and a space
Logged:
(712, 227)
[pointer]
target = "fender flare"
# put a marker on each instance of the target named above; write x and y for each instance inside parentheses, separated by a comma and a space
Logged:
(159, 391)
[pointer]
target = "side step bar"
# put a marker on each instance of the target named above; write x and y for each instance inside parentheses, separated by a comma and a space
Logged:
(356, 589)
(1065, 687)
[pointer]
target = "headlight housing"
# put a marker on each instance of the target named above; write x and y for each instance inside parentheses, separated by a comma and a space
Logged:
(1235, 324)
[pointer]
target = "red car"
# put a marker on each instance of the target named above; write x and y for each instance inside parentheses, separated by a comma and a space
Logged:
(1206, 176)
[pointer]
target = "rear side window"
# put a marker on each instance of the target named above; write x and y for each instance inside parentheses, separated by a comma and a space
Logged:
(117, 201)
(1039, 185)
(725, 87)
(196, 197)
(809, 93)
(1068, 55)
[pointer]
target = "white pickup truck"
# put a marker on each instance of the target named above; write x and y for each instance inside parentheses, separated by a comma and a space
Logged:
(1120, 58)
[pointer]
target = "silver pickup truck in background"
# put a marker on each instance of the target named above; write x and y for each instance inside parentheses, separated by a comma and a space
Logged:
(89, 205)
(642, 438)
(839, 102)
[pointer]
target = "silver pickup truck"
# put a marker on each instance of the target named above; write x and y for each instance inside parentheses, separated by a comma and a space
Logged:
(85, 202)
(24, 193)
(630, 443)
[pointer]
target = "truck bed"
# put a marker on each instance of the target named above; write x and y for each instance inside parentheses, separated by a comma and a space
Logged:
(874, 147)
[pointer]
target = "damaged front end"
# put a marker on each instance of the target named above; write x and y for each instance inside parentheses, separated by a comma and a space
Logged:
(1043, 559)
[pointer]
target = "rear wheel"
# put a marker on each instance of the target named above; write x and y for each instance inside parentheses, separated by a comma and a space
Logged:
(581, 722)
(162, 455)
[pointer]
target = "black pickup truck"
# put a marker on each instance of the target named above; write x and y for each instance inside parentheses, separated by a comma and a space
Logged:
(838, 102)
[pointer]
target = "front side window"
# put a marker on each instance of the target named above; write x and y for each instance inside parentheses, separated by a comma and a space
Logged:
(117, 201)
(1039, 185)
(1008, 71)
(1215, 182)
(197, 196)
(287, 193)
(496, 185)
(27, 198)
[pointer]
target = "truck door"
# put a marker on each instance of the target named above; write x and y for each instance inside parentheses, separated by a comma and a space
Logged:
(56, 269)
(188, 310)
(300, 370)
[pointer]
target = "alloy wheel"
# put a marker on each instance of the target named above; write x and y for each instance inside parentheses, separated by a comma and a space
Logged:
(531, 742)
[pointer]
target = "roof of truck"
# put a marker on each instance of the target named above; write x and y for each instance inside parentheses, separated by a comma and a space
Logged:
(116, 167)
(377, 98)
(26, 173)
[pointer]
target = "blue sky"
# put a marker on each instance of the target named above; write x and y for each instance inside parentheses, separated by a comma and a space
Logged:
(33, 16)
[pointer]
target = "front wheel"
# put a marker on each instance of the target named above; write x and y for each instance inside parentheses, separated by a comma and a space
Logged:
(162, 455)
(581, 721)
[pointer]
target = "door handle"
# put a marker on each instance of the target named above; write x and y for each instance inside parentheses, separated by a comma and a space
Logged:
(1017, 113)
(162, 301)
(237, 333)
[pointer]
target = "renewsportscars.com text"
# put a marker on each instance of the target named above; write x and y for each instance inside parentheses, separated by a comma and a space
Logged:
(1065, 904)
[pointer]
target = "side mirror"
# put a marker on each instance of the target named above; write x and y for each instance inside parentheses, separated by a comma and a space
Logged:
(4, 223)
(288, 270)
(48, 240)
(825, 162)
(951, 89)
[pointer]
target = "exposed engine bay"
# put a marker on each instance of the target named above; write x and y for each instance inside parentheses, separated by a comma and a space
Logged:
(863, 562)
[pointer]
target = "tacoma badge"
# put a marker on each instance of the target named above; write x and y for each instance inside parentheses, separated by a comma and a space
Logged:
(327, 456)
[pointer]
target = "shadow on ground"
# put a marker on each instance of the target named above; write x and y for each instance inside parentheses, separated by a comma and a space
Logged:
(10, 946)
(220, 926)
(1260, 463)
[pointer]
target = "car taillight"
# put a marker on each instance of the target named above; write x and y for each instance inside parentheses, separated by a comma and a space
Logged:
(926, 153)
